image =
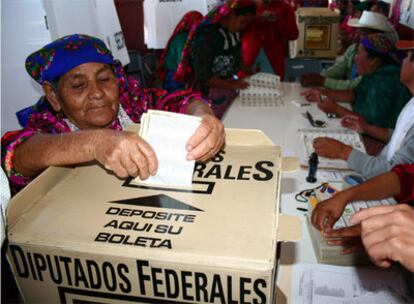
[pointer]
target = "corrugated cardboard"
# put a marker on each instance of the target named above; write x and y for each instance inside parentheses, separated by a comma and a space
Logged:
(80, 235)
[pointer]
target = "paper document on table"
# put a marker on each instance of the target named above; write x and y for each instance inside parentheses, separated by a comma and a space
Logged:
(327, 284)
(168, 134)
(265, 90)
(331, 175)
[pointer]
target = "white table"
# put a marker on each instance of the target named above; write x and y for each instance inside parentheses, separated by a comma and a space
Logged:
(281, 124)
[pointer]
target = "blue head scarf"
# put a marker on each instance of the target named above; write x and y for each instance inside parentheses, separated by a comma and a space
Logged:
(60, 56)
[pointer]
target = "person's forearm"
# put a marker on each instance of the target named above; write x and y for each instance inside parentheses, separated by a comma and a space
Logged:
(198, 108)
(44, 150)
(379, 187)
(379, 133)
(216, 82)
(340, 95)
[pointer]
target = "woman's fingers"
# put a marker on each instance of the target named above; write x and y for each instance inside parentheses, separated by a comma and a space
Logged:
(207, 140)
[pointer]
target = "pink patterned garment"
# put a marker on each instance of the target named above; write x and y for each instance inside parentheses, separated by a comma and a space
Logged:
(134, 101)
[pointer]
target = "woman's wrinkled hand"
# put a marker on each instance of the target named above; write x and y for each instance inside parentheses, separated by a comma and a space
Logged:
(208, 139)
(124, 153)
(331, 148)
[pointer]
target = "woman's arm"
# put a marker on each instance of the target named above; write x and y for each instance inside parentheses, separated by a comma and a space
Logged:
(340, 95)
(216, 82)
(316, 94)
(124, 153)
(370, 166)
(328, 212)
(358, 123)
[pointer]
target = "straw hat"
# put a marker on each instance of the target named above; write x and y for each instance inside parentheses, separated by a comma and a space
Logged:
(371, 20)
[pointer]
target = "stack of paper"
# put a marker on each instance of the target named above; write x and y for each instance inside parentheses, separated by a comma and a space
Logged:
(168, 134)
(315, 284)
(264, 90)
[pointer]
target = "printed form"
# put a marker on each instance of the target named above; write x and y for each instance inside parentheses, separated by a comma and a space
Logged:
(168, 133)
(328, 284)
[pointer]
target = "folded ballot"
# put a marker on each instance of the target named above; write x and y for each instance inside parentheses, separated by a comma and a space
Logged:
(168, 134)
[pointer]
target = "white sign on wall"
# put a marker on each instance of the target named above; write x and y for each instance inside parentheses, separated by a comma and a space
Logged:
(407, 13)
(23, 31)
(91, 17)
(161, 17)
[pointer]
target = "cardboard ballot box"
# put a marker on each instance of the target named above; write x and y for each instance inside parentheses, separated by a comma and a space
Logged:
(80, 235)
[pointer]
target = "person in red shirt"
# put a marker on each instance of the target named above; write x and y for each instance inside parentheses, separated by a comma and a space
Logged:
(274, 26)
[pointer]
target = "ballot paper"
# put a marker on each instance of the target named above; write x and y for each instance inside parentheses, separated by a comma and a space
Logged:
(320, 284)
(168, 134)
(264, 90)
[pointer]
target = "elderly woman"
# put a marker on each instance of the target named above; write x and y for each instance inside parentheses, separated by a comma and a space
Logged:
(87, 103)
(213, 53)
(380, 96)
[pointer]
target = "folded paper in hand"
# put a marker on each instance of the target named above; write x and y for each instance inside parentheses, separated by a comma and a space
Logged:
(168, 133)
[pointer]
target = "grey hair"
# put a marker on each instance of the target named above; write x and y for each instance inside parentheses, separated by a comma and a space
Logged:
(55, 84)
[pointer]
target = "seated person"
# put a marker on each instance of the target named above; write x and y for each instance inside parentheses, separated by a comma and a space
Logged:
(387, 232)
(171, 55)
(380, 95)
(88, 101)
(400, 148)
(343, 75)
(215, 53)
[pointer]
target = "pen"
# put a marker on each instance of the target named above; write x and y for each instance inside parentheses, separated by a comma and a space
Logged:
(302, 209)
